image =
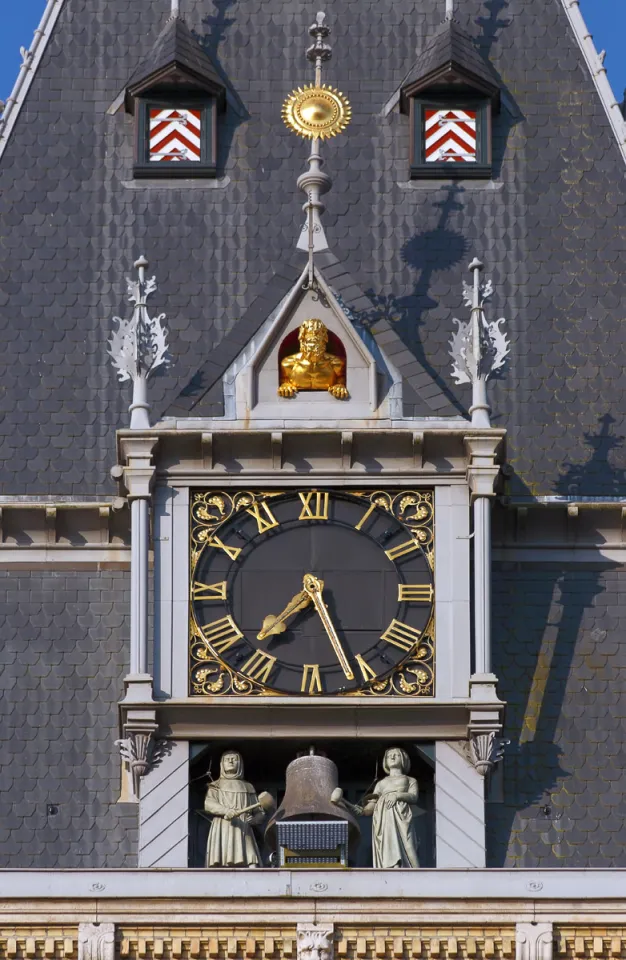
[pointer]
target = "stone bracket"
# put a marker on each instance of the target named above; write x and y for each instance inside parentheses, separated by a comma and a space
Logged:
(315, 941)
(534, 941)
(138, 746)
(138, 470)
(96, 941)
(483, 469)
(484, 746)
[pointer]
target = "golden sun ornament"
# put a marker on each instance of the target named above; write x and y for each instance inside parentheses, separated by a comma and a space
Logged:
(316, 111)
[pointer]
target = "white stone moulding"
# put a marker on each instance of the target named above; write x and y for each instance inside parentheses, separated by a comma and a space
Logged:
(549, 893)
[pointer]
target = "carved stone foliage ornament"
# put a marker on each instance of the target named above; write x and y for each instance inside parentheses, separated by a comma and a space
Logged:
(313, 366)
(140, 750)
(339, 629)
(485, 750)
(478, 347)
(96, 941)
(315, 941)
(139, 345)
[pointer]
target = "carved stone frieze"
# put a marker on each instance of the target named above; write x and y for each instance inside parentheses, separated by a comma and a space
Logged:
(96, 941)
(534, 941)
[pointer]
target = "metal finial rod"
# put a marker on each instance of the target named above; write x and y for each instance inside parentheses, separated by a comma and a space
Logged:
(175, 9)
(449, 9)
(320, 51)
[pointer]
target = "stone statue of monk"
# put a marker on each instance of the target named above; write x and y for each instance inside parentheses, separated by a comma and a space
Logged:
(312, 368)
(231, 839)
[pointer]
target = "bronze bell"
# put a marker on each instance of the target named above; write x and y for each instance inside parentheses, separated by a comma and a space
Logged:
(309, 783)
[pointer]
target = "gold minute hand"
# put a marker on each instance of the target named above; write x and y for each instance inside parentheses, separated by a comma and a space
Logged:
(276, 624)
(314, 588)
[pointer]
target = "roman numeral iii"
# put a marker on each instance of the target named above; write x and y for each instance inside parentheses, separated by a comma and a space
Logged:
(416, 592)
(401, 635)
(222, 634)
(314, 506)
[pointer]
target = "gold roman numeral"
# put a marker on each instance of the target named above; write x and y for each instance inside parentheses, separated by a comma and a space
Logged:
(402, 549)
(416, 592)
(311, 677)
(401, 635)
(317, 511)
(259, 666)
(365, 517)
(264, 517)
(366, 670)
(233, 552)
(208, 591)
(222, 634)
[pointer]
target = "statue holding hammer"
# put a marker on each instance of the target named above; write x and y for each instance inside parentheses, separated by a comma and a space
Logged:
(236, 809)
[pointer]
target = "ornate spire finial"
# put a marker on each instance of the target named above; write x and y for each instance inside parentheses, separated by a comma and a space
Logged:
(316, 112)
(139, 345)
(478, 347)
(449, 10)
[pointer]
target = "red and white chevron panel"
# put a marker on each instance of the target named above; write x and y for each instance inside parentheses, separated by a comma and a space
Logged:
(451, 136)
(175, 135)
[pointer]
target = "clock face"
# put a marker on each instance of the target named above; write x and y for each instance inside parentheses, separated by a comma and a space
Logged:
(310, 592)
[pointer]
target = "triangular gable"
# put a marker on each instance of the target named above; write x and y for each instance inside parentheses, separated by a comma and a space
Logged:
(421, 393)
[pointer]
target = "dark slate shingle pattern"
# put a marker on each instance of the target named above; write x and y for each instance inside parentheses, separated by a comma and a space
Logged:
(560, 654)
(550, 227)
(63, 655)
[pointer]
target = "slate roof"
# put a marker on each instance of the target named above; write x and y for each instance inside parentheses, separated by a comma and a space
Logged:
(175, 45)
(560, 656)
(550, 227)
(63, 656)
(451, 48)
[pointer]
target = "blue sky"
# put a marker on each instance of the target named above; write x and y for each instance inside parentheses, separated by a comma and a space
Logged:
(606, 19)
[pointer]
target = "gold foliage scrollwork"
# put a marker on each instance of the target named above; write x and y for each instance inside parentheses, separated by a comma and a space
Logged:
(210, 509)
(210, 676)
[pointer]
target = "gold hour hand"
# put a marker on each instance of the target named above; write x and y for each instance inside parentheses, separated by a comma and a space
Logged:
(276, 624)
(314, 587)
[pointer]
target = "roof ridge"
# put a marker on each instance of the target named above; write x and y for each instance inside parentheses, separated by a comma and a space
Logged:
(597, 70)
(31, 59)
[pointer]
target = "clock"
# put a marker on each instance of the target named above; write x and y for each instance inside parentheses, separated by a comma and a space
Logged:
(311, 592)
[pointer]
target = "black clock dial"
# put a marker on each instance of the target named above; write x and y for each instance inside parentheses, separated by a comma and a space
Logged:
(310, 593)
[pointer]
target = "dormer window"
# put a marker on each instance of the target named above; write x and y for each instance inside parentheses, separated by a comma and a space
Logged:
(175, 138)
(451, 137)
(175, 96)
(450, 96)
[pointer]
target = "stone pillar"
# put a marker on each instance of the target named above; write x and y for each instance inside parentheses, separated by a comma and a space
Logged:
(486, 709)
(533, 941)
(139, 724)
(482, 585)
(459, 808)
(138, 473)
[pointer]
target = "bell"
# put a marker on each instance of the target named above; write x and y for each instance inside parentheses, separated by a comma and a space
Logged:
(309, 783)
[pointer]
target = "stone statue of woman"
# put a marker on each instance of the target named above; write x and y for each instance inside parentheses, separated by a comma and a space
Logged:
(231, 839)
(394, 841)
